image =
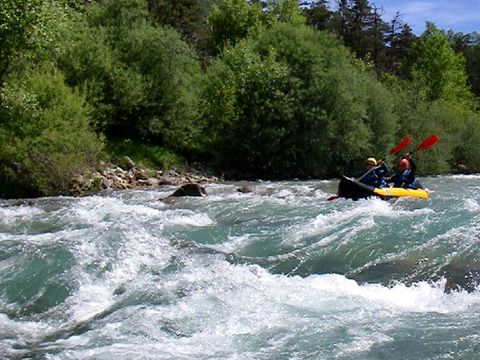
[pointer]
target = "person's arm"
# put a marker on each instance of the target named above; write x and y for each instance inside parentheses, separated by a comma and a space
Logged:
(382, 171)
(413, 166)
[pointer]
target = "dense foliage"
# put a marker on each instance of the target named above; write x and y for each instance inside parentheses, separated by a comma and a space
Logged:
(254, 88)
(45, 135)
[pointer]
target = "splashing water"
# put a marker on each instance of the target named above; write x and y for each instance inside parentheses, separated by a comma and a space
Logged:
(274, 273)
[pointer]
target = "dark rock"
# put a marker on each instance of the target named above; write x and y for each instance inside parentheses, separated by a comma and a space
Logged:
(244, 190)
(189, 190)
(461, 168)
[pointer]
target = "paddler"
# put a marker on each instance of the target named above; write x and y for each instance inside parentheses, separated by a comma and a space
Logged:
(375, 173)
(404, 176)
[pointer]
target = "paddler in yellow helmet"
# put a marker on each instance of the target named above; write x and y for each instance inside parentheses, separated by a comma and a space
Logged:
(375, 173)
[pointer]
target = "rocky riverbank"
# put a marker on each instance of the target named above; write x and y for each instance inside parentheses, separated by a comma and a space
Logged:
(132, 176)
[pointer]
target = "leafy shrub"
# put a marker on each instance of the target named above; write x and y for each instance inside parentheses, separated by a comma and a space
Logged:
(45, 134)
(248, 109)
(330, 113)
(142, 79)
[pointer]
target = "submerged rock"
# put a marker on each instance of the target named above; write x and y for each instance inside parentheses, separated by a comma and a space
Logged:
(190, 190)
(244, 190)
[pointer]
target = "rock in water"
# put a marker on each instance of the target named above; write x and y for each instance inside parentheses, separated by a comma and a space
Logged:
(190, 190)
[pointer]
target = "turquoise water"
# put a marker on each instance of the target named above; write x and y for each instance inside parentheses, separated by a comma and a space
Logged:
(277, 273)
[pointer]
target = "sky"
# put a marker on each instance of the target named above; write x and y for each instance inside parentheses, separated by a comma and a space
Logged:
(460, 15)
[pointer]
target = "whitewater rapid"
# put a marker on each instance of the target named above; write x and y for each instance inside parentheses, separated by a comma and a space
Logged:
(274, 273)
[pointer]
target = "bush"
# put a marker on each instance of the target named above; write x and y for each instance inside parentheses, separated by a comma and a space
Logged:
(299, 103)
(142, 79)
(248, 109)
(45, 135)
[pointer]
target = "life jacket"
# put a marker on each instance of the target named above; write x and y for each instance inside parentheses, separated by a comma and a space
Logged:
(404, 179)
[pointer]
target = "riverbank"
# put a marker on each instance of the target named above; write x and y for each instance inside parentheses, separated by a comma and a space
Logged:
(129, 175)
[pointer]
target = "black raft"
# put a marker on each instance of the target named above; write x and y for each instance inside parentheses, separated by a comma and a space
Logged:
(353, 189)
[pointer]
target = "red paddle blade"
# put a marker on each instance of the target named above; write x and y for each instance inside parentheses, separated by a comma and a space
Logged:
(406, 140)
(428, 142)
(330, 198)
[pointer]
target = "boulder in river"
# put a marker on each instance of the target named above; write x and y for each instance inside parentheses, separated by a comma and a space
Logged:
(189, 190)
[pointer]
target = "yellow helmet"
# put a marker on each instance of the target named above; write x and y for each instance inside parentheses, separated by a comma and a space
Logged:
(372, 161)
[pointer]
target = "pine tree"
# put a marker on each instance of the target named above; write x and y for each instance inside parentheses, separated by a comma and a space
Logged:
(318, 14)
(189, 17)
(400, 41)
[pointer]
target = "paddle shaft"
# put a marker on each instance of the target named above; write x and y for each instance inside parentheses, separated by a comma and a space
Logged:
(405, 141)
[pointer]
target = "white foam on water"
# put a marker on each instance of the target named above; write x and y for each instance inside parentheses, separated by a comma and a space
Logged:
(18, 214)
(189, 218)
(362, 215)
(462, 177)
(215, 309)
(137, 253)
(226, 309)
(458, 238)
(104, 213)
(95, 209)
(234, 243)
(88, 301)
(361, 341)
(20, 332)
(471, 205)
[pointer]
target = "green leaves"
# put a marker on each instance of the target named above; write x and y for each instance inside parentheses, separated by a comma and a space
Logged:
(291, 102)
(438, 67)
(142, 79)
(46, 134)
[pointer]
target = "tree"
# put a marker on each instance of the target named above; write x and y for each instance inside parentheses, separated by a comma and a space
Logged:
(400, 44)
(17, 20)
(189, 17)
(45, 134)
(287, 11)
(141, 78)
(469, 46)
(362, 29)
(231, 21)
(318, 15)
(248, 106)
(438, 67)
(299, 104)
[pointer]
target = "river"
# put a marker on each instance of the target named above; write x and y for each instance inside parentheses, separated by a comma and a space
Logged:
(277, 273)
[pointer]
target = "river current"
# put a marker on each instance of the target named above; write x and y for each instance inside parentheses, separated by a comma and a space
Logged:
(277, 273)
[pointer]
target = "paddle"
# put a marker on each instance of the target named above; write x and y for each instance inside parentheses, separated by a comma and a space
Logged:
(402, 144)
(427, 143)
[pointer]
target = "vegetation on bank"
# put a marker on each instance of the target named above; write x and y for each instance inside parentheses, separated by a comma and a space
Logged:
(253, 89)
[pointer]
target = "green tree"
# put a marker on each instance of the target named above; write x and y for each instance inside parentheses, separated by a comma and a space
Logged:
(287, 11)
(45, 135)
(469, 46)
(400, 40)
(362, 30)
(437, 66)
(30, 30)
(318, 15)
(231, 21)
(248, 107)
(331, 112)
(189, 17)
(142, 79)
(17, 21)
